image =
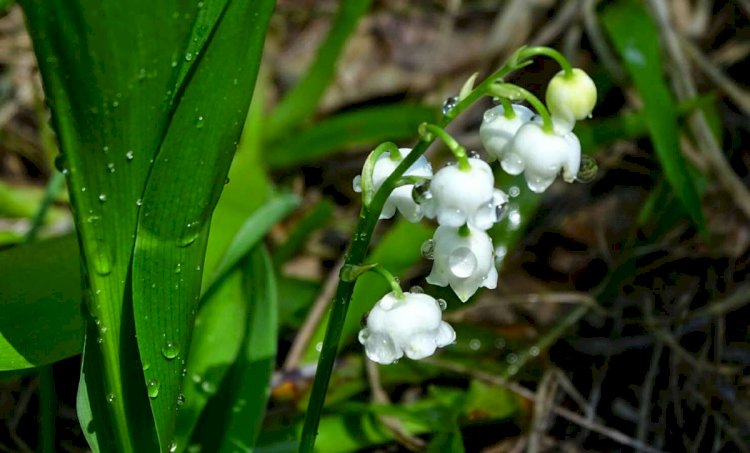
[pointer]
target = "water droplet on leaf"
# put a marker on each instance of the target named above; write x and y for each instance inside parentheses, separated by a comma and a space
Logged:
(449, 104)
(152, 386)
(170, 350)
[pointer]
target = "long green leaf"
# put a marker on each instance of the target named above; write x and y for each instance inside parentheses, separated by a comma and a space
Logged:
(40, 323)
(302, 100)
(365, 127)
(124, 113)
(232, 419)
(182, 191)
(641, 56)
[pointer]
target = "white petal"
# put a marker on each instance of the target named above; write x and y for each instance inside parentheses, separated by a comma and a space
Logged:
(497, 131)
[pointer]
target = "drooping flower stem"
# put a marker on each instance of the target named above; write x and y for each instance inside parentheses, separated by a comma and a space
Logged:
(514, 92)
(508, 111)
(552, 53)
(368, 218)
(428, 130)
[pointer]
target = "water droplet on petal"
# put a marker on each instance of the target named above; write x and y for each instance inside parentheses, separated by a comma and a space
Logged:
(442, 304)
(416, 289)
(420, 193)
(462, 262)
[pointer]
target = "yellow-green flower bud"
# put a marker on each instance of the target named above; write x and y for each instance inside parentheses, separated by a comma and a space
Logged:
(571, 98)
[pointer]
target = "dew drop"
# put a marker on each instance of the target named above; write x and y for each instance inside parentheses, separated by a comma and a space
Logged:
(170, 350)
(172, 447)
(129, 155)
(178, 268)
(475, 344)
(462, 262)
(534, 351)
(188, 56)
(514, 191)
(449, 104)
(180, 400)
(111, 167)
(588, 171)
(420, 193)
(428, 249)
(195, 377)
(474, 155)
(319, 346)
(152, 387)
(111, 398)
(139, 202)
(416, 289)
(102, 197)
(189, 235)
(208, 387)
(199, 122)
(357, 183)
(442, 304)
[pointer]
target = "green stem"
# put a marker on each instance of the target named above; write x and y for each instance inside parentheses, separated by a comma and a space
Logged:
(368, 188)
(507, 108)
(358, 251)
(457, 150)
(504, 90)
(395, 285)
(552, 53)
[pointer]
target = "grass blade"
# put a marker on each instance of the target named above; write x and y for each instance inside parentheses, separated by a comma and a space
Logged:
(641, 56)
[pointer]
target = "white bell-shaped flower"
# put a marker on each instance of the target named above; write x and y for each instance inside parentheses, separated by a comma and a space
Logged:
(412, 325)
(497, 130)
(465, 262)
(401, 197)
(459, 196)
(543, 155)
(571, 98)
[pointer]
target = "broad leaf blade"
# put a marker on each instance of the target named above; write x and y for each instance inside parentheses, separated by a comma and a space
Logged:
(40, 302)
(183, 188)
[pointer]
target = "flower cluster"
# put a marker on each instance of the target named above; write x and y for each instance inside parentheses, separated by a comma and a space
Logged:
(463, 200)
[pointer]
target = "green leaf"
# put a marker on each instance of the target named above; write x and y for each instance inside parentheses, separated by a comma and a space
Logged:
(253, 230)
(233, 417)
(40, 302)
(364, 127)
(641, 56)
(302, 100)
(397, 253)
(182, 190)
(146, 147)
(217, 339)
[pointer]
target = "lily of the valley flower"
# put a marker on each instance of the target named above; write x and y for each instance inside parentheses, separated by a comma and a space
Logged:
(411, 325)
(497, 130)
(464, 196)
(400, 198)
(541, 155)
(571, 97)
(464, 260)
